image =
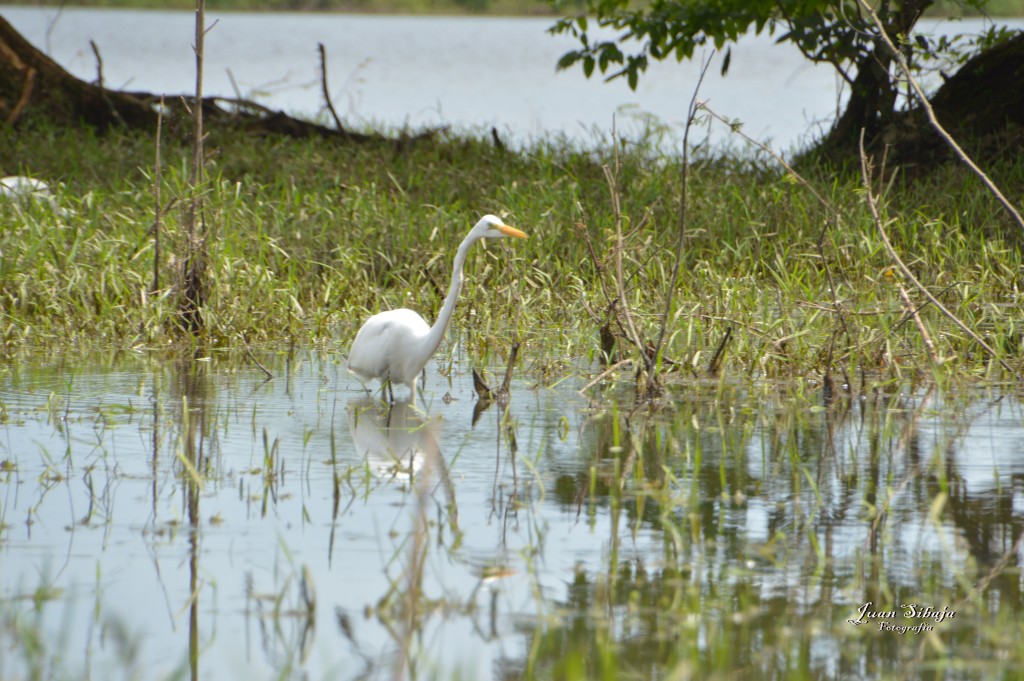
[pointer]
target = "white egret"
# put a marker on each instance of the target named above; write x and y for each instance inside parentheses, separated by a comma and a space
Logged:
(23, 189)
(395, 345)
(19, 186)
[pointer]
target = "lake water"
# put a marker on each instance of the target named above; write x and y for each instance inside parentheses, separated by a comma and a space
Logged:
(471, 73)
(164, 518)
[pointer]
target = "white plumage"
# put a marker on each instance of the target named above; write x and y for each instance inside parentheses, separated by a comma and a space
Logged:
(395, 345)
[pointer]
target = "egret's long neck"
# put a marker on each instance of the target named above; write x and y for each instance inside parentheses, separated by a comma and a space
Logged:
(436, 334)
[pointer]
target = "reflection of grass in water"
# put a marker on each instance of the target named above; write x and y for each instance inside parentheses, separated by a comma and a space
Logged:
(286, 617)
(777, 607)
(35, 629)
(685, 581)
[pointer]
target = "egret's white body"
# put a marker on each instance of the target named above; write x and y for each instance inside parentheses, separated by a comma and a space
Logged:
(23, 189)
(396, 345)
(19, 186)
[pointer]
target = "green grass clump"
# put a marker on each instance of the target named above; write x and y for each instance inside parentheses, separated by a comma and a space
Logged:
(308, 237)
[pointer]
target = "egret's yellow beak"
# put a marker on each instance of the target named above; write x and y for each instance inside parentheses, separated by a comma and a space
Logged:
(511, 231)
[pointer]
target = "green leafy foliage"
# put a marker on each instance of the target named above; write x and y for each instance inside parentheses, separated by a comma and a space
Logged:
(837, 32)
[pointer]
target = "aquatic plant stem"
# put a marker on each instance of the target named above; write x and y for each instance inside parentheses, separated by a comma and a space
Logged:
(194, 265)
(865, 165)
(157, 179)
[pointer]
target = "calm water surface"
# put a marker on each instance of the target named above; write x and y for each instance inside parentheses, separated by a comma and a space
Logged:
(468, 72)
(166, 517)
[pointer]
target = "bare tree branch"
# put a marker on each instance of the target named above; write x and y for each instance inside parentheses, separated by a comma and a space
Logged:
(876, 214)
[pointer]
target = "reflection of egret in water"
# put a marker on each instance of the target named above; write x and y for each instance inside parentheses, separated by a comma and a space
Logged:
(398, 440)
(395, 440)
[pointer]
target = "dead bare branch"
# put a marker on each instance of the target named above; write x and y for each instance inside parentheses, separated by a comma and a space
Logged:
(326, 90)
(913, 312)
(866, 172)
(691, 114)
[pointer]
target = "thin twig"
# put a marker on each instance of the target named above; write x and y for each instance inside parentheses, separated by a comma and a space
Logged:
(873, 205)
(630, 327)
(612, 176)
(933, 119)
(157, 175)
(912, 311)
(194, 263)
(512, 355)
(327, 92)
(99, 64)
(248, 352)
(604, 374)
(691, 114)
(99, 83)
(581, 228)
(907, 316)
(716, 360)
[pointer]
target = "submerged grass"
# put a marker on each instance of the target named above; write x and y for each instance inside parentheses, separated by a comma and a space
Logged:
(308, 238)
(734, 532)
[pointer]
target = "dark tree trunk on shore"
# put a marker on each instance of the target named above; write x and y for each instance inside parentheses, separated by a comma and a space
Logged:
(981, 105)
(870, 106)
(36, 89)
(33, 86)
(987, 94)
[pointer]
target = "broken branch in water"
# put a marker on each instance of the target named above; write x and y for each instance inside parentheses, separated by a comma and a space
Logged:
(488, 394)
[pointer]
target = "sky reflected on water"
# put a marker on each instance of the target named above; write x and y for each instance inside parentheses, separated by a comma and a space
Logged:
(131, 484)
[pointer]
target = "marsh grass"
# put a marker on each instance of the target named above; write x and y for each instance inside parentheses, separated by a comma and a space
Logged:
(312, 237)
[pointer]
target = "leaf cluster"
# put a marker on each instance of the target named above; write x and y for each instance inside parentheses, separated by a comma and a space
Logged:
(837, 32)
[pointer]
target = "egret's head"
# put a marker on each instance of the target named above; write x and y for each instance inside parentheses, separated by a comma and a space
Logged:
(491, 227)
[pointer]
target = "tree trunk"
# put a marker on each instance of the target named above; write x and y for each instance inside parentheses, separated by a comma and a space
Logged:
(870, 105)
(34, 87)
(981, 105)
(987, 94)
